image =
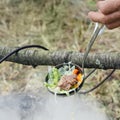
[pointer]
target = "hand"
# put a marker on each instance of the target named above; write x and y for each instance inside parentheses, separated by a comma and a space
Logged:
(108, 13)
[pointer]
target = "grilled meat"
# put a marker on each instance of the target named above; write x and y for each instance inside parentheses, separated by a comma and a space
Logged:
(67, 82)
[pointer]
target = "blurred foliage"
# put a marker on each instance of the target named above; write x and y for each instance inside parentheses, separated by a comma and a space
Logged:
(91, 4)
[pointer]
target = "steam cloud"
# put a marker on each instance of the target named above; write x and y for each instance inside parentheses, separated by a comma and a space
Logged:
(47, 107)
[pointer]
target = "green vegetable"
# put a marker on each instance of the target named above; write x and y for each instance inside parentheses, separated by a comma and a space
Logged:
(49, 85)
(56, 75)
(53, 78)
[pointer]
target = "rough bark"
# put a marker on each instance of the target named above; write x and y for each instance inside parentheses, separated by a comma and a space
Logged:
(37, 57)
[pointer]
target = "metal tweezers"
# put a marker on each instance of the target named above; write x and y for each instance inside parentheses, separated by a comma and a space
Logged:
(91, 42)
(98, 29)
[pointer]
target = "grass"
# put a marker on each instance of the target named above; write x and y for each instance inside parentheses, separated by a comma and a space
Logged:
(56, 24)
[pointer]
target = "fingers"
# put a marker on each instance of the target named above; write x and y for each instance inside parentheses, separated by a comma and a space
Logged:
(108, 13)
(104, 19)
(108, 6)
(113, 25)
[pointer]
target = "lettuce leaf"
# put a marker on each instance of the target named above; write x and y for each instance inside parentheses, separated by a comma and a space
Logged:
(53, 78)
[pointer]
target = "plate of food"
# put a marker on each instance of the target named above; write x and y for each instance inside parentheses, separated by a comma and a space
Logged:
(64, 79)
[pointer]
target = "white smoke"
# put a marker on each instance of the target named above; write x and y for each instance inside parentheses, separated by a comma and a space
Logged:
(47, 107)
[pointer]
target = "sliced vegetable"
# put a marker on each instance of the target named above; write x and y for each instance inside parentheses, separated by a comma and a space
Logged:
(79, 77)
(75, 71)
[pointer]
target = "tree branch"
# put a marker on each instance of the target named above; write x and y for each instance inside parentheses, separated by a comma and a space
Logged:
(36, 57)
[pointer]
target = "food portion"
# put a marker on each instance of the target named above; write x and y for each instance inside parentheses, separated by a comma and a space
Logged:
(64, 78)
(67, 81)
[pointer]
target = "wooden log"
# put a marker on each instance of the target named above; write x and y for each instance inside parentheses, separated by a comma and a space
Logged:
(37, 57)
